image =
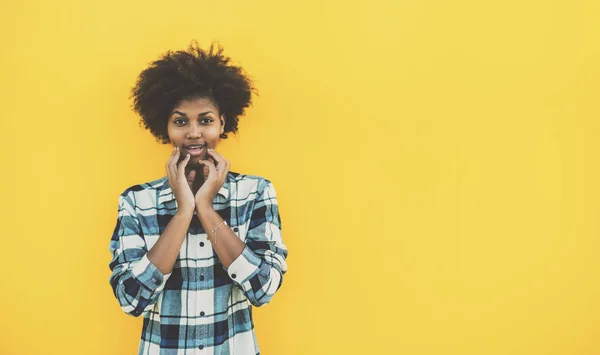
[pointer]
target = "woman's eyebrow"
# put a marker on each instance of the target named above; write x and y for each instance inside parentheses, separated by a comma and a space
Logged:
(185, 115)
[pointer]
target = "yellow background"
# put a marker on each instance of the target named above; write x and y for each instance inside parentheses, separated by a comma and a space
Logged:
(436, 164)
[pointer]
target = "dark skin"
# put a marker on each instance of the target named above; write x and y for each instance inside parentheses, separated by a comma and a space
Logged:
(196, 172)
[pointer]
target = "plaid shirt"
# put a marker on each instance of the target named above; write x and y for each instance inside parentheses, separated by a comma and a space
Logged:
(200, 307)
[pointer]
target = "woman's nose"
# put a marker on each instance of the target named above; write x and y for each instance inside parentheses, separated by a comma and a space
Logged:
(194, 132)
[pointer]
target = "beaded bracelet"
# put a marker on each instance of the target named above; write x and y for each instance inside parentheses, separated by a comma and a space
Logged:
(215, 231)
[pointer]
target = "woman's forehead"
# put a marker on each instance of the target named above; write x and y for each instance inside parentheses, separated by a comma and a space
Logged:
(197, 105)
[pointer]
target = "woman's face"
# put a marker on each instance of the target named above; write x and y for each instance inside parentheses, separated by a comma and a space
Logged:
(194, 126)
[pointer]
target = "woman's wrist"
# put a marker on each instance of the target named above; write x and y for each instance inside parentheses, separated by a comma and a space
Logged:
(185, 212)
(203, 206)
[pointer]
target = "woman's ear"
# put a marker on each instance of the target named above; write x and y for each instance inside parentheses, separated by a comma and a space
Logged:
(222, 119)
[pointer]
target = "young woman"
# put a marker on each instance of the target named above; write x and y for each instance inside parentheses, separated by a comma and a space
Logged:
(194, 250)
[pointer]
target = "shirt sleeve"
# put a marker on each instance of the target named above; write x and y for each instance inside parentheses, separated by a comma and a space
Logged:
(136, 282)
(259, 269)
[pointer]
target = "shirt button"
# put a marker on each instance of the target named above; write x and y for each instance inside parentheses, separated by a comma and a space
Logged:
(202, 314)
(201, 347)
(201, 244)
(233, 276)
(201, 277)
(235, 229)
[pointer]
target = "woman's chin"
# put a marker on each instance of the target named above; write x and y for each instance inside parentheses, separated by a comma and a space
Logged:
(194, 161)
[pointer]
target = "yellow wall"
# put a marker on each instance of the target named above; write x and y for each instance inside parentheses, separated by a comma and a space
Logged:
(437, 166)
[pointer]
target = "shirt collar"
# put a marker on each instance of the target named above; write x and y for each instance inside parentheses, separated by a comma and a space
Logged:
(165, 193)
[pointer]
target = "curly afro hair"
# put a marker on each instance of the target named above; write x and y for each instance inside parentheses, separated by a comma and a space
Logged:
(188, 74)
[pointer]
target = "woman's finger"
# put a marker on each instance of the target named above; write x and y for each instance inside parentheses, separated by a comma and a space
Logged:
(217, 157)
(190, 177)
(225, 169)
(223, 164)
(205, 171)
(212, 170)
(169, 165)
(182, 165)
(173, 163)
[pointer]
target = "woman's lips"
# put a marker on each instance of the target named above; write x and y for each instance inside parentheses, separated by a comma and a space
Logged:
(194, 152)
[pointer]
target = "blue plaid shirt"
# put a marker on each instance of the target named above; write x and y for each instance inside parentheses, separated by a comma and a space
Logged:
(200, 307)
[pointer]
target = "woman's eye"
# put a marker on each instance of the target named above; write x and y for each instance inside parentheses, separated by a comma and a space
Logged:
(179, 121)
(206, 120)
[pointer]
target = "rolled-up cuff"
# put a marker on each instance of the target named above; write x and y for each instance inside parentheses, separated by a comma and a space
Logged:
(149, 275)
(244, 266)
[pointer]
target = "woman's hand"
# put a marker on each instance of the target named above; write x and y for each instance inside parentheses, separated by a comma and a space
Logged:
(179, 183)
(214, 181)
